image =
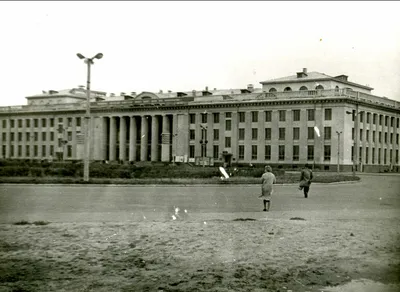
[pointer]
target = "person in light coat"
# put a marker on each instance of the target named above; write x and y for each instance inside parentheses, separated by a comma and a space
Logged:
(267, 180)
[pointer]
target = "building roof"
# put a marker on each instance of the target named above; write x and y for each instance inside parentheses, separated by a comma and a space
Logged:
(313, 76)
(79, 93)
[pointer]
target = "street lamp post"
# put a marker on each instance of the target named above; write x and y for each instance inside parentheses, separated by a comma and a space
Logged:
(338, 151)
(88, 61)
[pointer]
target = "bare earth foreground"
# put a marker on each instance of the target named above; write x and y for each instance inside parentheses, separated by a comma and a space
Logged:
(345, 237)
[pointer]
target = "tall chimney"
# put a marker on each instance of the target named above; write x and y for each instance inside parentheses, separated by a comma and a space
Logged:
(305, 70)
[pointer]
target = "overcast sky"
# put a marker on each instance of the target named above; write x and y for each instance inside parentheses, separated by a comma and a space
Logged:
(181, 46)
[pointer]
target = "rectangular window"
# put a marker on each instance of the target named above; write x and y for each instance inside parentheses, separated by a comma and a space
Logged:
(191, 151)
(398, 122)
(69, 151)
(267, 133)
(392, 121)
(397, 139)
(374, 119)
(366, 155)
(254, 134)
(35, 123)
(373, 136)
(4, 125)
(328, 114)
(28, 123)
(253, 152)
(19, 123)
(386, 121)
(367, 136)
(386, 137)
(51, 150)
(281, 133)
(327, 133)
(228, 115)
(241, 134)
(60, 120)
(3, 149)
(52, 136)
(4, 136)
(380, 137)
(373, 155)
(361, 117)
(44, 150)
(69, 123)
(216, 118)
(397, 156)
(268, 116)
(28, 150)
(327, 152)
(361, 134)
(192, 118)
(384, 156)
(282, 116)
(12, 151)
(368, 118)
(192, 134)
(296, 115)
(241, 151)
(215, 151)
(35, 150)
(379, 155)
(52, 122)
(310, 115)
(267, 152)
(310, 133)
(296, 152)
(281, 150)
(44, 123)
(12, 137)
(12, 123)
(380, 120)
(254, 117)
(44, 136)
(69, 137)
(296, 133)
(352, 133)
(216, 134)
(204, 118)
(391, 138)
(19, 137)
(228, 142)
(310, 152)
(36, 136)
(27, 137)
(228, 125)
(242, 117)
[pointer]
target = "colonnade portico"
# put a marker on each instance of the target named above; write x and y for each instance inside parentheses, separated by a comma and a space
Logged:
(132, 138)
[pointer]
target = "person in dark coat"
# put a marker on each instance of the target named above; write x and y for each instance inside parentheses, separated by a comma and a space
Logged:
(305, 180)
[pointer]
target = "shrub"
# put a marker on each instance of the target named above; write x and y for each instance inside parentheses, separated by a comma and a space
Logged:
(22, 222)
(36, 172)
(14, 171)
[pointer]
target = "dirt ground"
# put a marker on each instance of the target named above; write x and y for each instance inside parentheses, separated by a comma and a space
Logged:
(243, 254)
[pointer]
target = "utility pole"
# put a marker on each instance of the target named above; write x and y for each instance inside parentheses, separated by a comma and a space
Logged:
(338, 151)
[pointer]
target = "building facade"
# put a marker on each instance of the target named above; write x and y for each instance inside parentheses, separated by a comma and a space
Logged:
(277, 124)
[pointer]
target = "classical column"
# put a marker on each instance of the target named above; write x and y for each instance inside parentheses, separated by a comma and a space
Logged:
(113, 138)
(165, 144)
(132, 139)
(122, 139)
(154, 138)
(144, 138)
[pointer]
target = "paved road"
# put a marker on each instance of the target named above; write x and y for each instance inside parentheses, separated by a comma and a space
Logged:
(377, 195)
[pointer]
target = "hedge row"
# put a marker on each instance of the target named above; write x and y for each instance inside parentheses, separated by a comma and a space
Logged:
(98, 170)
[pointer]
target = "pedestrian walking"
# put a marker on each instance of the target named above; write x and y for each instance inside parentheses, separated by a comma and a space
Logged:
(267, 180)
(305, 180)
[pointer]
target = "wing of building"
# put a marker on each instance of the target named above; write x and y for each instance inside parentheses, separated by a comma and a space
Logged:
(274, 124)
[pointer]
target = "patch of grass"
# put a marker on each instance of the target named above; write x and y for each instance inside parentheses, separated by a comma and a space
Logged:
(297, 218)
(41, 223)
(22, 222)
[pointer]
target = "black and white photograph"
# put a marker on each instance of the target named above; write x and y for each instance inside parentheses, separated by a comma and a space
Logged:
(222, 146)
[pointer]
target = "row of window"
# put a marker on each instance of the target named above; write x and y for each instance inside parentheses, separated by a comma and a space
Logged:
(376, 118)
(19, 122)
(388, 137)
(268, 116)
(32, 136)
(327, 134)
(35, 151)
(376, 155)
(296, 153)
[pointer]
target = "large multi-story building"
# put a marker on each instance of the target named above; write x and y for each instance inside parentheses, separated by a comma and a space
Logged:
(277, 124)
